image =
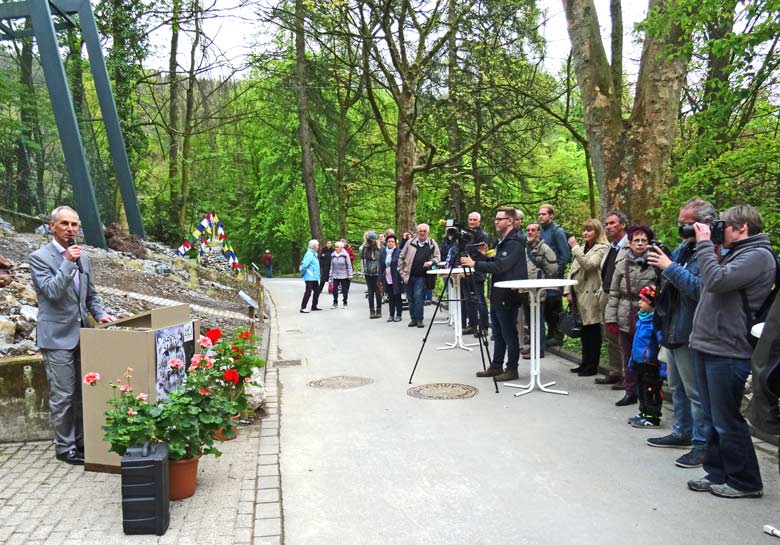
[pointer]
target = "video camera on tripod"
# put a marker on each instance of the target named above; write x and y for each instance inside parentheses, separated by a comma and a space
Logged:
(458, 233)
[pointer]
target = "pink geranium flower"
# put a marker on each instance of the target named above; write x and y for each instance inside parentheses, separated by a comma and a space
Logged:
(132, 412)
(204, 391)
(91, 378)
(142, 397)
(205, 341)
(176, 363)
(125, 388)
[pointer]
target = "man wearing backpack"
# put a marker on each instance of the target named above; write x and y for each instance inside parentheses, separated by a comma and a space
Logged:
(721, 349)
(553, 235)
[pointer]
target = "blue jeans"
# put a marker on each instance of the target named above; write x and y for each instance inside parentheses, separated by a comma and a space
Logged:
(506, 341)
(730, 457)
(689, 418)
(415, 294)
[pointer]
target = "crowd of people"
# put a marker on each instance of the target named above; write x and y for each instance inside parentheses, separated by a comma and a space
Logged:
(678, 314)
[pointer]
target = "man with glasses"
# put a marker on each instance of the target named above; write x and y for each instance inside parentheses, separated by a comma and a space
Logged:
(417, 257)
(675, 305)
(508, 263)
(61, 277)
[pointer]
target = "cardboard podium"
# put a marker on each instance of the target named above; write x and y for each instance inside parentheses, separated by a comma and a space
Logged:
(146, 342)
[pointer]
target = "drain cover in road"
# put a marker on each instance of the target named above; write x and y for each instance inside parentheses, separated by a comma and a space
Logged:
(442, 390)
(340, 382)
(287, 363)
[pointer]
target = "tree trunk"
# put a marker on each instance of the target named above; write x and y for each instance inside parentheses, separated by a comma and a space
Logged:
(405, 160)
(342, 195)
(629, 158)
(455, 188)
(307, 164)
(173, 111)
(26, 200)
(188, 115)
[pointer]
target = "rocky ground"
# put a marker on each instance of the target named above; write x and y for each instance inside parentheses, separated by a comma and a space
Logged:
(212, 290)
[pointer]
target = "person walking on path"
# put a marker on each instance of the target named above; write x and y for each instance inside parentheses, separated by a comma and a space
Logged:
(416, 259)
(388, 272)
(340, 274)
(675, 306)
(310, 272)
(584, 296)
(615, 226)
(632, 273)
(61, 277)
(268, 263)
(324, 259)
(369, 262)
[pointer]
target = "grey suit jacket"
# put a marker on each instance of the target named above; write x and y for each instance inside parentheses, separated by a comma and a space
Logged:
(61, 311)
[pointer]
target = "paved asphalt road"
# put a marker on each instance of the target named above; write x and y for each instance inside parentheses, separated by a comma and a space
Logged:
(373, 465)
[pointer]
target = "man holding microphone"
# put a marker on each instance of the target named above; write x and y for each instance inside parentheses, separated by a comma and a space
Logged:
(508, 263)
(60, 275)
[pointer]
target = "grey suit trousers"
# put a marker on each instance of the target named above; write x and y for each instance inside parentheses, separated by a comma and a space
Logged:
(63, 370)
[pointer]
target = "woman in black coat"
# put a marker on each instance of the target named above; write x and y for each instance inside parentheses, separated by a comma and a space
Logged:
(388, 274)
(324, 258)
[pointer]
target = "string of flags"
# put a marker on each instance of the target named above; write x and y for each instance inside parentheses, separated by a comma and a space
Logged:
(202, 236)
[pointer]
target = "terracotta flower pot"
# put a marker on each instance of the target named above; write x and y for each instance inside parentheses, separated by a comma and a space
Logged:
(218, 434)
(182, 477)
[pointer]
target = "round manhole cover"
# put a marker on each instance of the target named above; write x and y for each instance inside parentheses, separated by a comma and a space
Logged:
(340, 382)
(442, 390)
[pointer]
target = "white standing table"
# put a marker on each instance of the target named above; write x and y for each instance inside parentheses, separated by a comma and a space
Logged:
(534, 288)
(453, 294)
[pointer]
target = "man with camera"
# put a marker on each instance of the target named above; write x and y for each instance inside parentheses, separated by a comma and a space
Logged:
(732, 288)
(675, 305)
(476, 309)
(508, 263)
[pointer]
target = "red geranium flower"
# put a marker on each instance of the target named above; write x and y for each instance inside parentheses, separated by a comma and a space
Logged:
(214, 334)
(231, 375)
(244, 335)
(204, 391)
(237, 353)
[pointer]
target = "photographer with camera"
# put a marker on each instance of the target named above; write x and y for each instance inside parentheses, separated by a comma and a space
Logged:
(675, 306)
(479, 310)
(508, 263)
(721, 348)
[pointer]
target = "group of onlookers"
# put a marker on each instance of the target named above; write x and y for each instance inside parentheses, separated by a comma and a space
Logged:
(680, 314)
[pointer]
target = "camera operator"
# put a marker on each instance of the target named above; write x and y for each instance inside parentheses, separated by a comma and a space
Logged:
(721, 350)
(478, 310)
(675, 305)
(508, 263)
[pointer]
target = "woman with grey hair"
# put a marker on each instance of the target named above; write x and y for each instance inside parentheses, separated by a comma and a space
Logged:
(340, 274)
(310, 271)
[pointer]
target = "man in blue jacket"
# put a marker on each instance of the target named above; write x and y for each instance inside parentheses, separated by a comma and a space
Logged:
(508, 263)
(555, 238)
(677, 300)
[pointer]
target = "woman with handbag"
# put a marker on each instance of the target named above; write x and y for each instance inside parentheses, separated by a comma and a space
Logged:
(584, 296)
(632, 273)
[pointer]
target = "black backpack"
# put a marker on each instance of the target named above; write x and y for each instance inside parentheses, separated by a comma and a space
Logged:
(760, 315)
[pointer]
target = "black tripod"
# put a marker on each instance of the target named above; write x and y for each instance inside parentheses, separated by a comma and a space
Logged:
(484, 349)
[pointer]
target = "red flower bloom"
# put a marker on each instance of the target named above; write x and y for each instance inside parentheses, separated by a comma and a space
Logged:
(237, 353)
(214, 334)
(244, 335)
(231, 375)
(204, 391)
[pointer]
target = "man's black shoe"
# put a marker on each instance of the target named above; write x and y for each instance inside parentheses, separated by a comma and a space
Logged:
(626, 400)
(72, 457)
(412, 323)
(420, 324)
(468, 330)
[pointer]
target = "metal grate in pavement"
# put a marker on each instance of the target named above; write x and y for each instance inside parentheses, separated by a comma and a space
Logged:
(287, 363)
(340, 382)
(442, 390)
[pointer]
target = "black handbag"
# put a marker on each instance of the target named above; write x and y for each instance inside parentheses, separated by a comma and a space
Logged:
(569, 321)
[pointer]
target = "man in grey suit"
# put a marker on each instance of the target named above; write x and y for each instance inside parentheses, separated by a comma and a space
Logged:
(60, 275)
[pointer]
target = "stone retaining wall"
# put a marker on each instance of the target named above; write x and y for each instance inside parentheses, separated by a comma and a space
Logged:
(24, 400)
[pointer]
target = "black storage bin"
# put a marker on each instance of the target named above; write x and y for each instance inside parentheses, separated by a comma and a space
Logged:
(145, 501)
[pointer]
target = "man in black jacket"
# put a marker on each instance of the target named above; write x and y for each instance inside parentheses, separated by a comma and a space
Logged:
(508, 263)
(473, 311)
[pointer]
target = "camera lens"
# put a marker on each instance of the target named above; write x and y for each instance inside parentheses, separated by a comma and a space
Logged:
(686, 230)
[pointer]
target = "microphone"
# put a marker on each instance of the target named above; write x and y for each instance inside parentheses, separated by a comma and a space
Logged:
(72, 242)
